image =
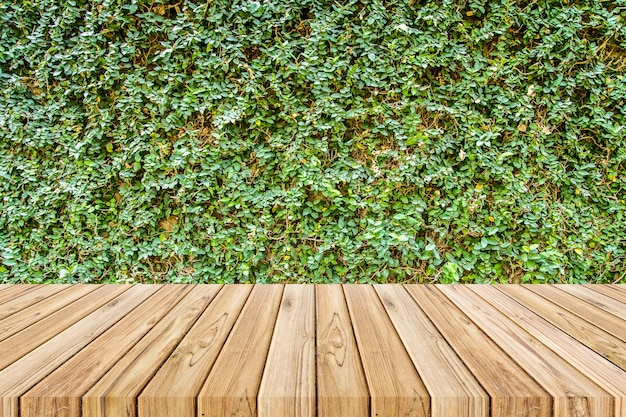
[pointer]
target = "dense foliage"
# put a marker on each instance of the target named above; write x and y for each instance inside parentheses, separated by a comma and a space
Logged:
(312, 141)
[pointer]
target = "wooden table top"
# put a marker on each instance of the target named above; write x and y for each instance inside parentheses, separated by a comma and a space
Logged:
(307, 350)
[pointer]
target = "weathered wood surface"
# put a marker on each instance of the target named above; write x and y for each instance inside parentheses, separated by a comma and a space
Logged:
(617, 292)
(232, 385)
(288, 383)
(303, 350)
(395, 387)
(341, 387)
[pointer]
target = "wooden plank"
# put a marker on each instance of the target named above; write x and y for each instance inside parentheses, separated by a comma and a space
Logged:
(288, 383)
(591, 313)
(34, 296)
(39, 333)
(612, 291)
(172, 391)
(512, 391)
(341, 386)
(395, 387)
(4, 286)
(15, 291)
(31, 368)
(169, 368)
(604, 373)
(116, 392)
(21, 320)
(453, 389)
(596, 299)
(232, 385)
(574, 394)
(60, 393)
(586, 333)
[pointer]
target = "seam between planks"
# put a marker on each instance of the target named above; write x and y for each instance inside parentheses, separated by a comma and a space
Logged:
(269, 347)
(454, 351)
(552, 401)
(358, 350)
(80, 399)
(42, 317)
(218, 349)
(173, 348)
(495, 340)
(395, 330)
(571, 318)
(495, 345)
(84, 314)
(131, 346)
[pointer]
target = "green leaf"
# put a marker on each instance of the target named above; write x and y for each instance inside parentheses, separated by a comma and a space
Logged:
(449, 273)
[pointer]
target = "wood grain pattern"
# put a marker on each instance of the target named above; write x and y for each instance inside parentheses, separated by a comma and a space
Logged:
(15, 291)
(453, 389)
(590, 313)
(232, 385)
(116, 392)
(31, 337)
(574, 394)
(596, 299)
(511, 389)
(28, 316)
(21, 375)
(584, 332)
(173, 389)
(288, 384)
(59, 393)
(303, 350)
(341, 386)
(395, 387)
(612, 291)
(31, 297)
(604, 373)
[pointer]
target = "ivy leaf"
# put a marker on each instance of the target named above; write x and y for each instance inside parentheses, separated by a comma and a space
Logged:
(449, 273)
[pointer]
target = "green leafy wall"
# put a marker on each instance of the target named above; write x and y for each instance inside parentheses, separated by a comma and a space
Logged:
(312, 141)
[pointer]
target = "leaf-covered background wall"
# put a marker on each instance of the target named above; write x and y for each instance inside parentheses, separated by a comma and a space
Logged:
(312, 141)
